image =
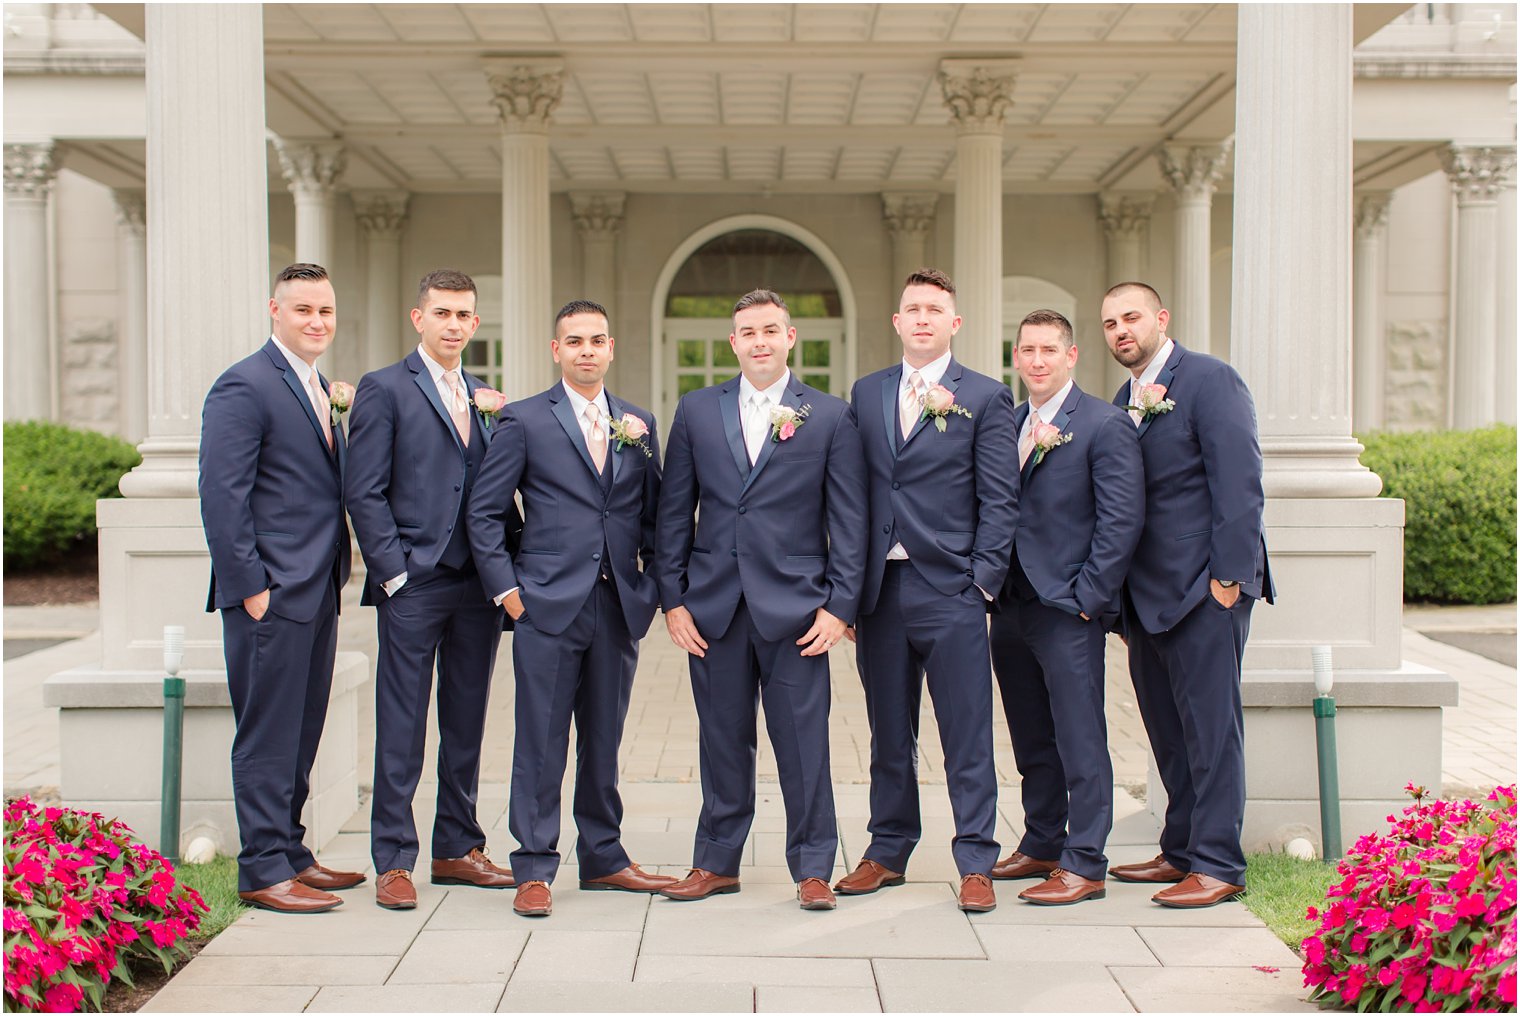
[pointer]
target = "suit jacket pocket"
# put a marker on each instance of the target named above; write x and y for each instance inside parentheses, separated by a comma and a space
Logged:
(954, 541)
(1195, 534)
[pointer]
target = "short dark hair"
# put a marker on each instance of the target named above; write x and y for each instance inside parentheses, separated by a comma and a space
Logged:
(762, 298)
(581, 307)
(930, 277)
(301, 271)
(447, 279)
(1047, 317)
(1152, 297)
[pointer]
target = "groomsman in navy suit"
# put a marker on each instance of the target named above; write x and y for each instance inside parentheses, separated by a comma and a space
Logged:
(271, 488)
(1200, 565)
(587, 466)
(760, 552)
(1081, 498)
(419, 436)
(940, 449)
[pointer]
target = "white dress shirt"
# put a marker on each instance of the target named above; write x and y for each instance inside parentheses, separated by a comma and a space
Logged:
(1152, 370)
(1047, 412)
(756, 423)
(929, 374)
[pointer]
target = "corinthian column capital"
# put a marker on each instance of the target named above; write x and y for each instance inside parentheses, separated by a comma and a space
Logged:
(1371, 213)
(30, 168)
(131, 208)
(525, 92)
(1124, 214)
(310, 167)
(1478, 172)
(909, 212)
(597, 214)
(1193, 171)
(978, 93)
(380, 214)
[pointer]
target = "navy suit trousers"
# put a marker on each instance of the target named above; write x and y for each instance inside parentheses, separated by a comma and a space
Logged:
(1187, 684)
(1049, 666)
(584, 673)
(913, 630)
(440, 617)
(742, 668)
(279, 674)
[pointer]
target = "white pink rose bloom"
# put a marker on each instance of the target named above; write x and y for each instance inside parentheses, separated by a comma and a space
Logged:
(634, 427)
(341, 395)
(939, 399)
(489, 400)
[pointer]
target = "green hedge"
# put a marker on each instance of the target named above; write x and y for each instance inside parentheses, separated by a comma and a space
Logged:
(1459, 510)
(53, 476)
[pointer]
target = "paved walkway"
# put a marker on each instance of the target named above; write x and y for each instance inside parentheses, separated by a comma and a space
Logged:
(905, 949)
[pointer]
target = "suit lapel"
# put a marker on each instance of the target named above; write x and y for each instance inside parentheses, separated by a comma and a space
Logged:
(1164, 378)
(950, 379)
(1020, 415)
(424, 379)
(299, 391)
(483, 426)
(566, 417)
(614, 412)
(791, 396)
(728, 409)
(890, 386)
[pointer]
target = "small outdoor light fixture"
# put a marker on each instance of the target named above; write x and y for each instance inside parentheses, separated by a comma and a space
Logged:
(174, 742)
(1329, 768)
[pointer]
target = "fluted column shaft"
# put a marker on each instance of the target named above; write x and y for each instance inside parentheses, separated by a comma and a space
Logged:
(598, 220)
(1126, 219)
(1193, 173)
(29, 172)
(526, 94)
(978, 94)
(381, 216)
(208, 218)
(1504, 355)
(1369, 344)
(132, 284)
(1292, 184)
(1477, 175)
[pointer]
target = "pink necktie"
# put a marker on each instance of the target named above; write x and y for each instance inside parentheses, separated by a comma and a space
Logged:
(1134, 399)
(459, 406)
(912, 404)
(1026, 444)
(323, 408)
(596, 441)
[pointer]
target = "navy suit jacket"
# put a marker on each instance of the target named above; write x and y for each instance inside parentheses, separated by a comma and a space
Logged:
(271, 491)
(570, 519)
(950, 498)
(1081, 509)
(1203, 492)
(407, 472)
(788, 534)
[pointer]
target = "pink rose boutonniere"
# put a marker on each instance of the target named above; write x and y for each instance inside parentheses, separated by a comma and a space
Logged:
(1047, 438)
(630, 430)
(939, 403)
(1153, 402)
(785, 420)
(340, 395)
(488, 402)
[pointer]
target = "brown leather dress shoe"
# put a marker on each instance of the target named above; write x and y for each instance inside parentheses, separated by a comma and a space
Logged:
(1198, 891)
(1157, 869)
(533, 899)
(1017, 865)
(867, 877)
(631, 879)
(394, 890)
(976, 894)
(318, 877)
(290, 897)
(1064, 888)
(698, 885)
(815, 894)
(471, 869)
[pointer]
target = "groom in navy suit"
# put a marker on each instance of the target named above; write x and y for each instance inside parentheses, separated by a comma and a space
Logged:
(939, 446)
(1200, 565)
(587, 466)
(1081, 508)
(760, 551)
(271, 489)
(419, 436)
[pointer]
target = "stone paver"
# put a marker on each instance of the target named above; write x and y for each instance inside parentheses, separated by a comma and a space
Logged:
(577, 996)
(408, 998)
(460, 957)
(176, 997)
(289, 970)
(778, 998)
(1111, 946)
(993, 986)
(1215, 947)
(1231, 989)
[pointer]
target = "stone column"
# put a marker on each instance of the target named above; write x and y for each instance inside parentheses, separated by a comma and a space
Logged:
(1126, 220)
(29, 172)
(1193, 173)
(598, 219)
(526, 94)
(909, 216)
(312, 170)
(1478, 174)
(381, 216)
(1336, 549)
(132, 284)
(1504, 357)
(978, 93)
(1369, 344)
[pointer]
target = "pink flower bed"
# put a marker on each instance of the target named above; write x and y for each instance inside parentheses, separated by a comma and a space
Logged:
(82, 895)
(1423, 918)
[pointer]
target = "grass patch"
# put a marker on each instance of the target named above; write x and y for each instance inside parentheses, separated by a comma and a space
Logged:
(216, 881)
(1282, 888)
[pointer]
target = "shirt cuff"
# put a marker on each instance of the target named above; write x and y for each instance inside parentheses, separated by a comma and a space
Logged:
(985, 595)
(391, 586)
(501, 597)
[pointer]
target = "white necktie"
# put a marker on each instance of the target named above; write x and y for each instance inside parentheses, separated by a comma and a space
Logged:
(1134, 399)
(756, 422)
(596, 440)
(912, 403)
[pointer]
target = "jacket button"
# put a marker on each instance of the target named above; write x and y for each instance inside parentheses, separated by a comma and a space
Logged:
(886, 529)
(596, 557)
(741, 509)
(971, 575)
(456, 486)
(733, 553)
(606, 515)
(896, 486)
